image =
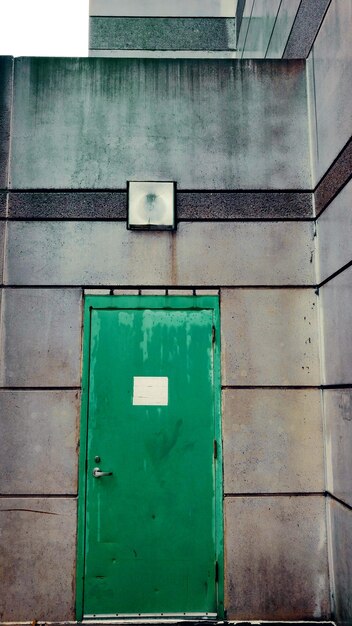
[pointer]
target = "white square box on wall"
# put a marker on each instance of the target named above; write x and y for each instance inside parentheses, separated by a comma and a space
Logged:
(151, 205)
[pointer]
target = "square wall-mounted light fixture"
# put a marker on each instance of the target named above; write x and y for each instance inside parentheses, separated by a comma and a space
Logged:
(151, 205)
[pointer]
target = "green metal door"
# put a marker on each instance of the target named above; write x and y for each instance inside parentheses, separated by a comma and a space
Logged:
(150, 538)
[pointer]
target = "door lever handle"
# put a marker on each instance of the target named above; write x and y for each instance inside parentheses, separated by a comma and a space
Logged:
(97, 473)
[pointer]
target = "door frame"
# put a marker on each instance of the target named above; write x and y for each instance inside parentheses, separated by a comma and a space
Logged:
(151, 302)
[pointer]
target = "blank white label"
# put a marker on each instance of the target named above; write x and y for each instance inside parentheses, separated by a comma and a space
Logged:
(150, 390)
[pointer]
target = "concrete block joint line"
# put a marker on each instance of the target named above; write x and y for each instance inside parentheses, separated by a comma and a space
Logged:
(176, 406)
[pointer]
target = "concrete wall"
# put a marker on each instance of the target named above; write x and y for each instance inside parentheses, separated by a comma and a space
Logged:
(81, 128)
(330, 92)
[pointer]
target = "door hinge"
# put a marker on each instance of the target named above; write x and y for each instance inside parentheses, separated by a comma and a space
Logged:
(215, 449)
(213, 334)
(216, 571)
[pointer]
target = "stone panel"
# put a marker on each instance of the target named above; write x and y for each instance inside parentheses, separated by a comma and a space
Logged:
(338, 432)
(332, 59)
(341, 539)
(336, 305)
(239, 205)
(162, 33)
(207, 124)
(209, 254)
(39, 428)
(305, 28)
(273, 441)
(276, 558)
(41, 331)
(269, 337)
(334, 234)
(6, 69)
(98, 205)
(250, 253)
(37, 559)
(165, 8)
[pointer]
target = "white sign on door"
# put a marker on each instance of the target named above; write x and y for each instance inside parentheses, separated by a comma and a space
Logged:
(150, 390)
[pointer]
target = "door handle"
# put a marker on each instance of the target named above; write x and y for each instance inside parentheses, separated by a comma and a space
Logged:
(97, 473)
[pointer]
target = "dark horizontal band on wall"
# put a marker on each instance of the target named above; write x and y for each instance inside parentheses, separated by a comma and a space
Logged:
(269, 387)
(3, 196)
(36, 496)
(334, 180)
(112, 205)
(162, 33)
(276, 494)
(305, 28)
(332, 276)
(129, 286)
(30, 388)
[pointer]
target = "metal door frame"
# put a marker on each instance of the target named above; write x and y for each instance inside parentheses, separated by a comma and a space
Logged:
(162, 303)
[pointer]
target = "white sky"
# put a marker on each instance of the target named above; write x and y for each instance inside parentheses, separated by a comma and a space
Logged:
(44, 27)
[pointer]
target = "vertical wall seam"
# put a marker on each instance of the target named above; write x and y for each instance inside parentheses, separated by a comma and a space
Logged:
(311, 121)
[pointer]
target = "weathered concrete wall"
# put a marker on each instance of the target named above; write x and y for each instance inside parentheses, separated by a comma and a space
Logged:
(245, 230)
(330, 92)
(96, 123)
(60, 253)
(6, 84)
(277, 550)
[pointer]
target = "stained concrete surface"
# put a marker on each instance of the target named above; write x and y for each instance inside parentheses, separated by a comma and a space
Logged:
(41, 429)
(336, 305)
(6, 70)
(269, 337)
(338, 429)
(334, 234)
(94, 254)
(2, 249)
(207, 124)
(273, 441)
(37, 559)
(41, 338)
(341, 534)
(276, 558)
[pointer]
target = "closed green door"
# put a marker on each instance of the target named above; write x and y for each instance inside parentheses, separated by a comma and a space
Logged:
(150, 523)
